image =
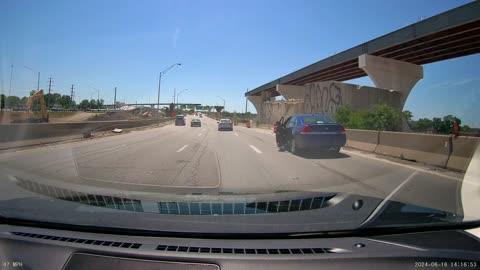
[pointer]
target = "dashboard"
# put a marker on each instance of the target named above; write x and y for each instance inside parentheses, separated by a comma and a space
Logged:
(23, 247)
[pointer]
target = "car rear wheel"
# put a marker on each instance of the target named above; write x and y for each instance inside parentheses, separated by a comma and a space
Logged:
(335, 149)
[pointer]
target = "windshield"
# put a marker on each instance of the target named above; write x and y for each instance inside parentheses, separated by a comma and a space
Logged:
(240, 116)
(317, 120)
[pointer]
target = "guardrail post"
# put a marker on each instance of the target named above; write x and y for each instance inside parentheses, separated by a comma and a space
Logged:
(449, 146)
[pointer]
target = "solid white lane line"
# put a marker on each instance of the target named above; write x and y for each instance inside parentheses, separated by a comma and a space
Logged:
(255, 149)
(183, 147)
(401, 165)
(235, 134)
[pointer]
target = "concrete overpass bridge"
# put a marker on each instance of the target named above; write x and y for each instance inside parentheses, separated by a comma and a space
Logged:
(392, 61)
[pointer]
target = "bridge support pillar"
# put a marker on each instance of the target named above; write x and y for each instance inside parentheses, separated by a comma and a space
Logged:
(291, 91)
(392, 74)
(258, 101)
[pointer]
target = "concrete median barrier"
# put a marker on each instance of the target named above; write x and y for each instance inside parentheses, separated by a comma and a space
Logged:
(18, 132)
(426, 148)
(463, 149)
(366, 140)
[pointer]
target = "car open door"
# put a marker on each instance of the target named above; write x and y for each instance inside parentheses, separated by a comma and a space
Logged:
(289, 126)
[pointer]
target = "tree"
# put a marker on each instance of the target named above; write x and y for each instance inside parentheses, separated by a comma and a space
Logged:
(437, 124)
(93, 104)
(23, 101)
(51, 99)
(100, 103)
(84, 104)
(13, 102)
(343, 115)
(358, 120)
(466, 128)
(55, 98)
(448, 123)
(2, 101)
(65, 101)
(422, 125)
(379, 117)
(408, 115)
(445, 125)
(382, 117)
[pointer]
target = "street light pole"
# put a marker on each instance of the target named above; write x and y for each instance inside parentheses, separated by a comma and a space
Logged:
(38, 78)
(223, 104)
(159, 85)
(181, 93)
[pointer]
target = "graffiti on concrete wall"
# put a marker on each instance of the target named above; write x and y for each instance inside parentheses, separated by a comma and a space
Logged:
(324, 100)
(268, 114)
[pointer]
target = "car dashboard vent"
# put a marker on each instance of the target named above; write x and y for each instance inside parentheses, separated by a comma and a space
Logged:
(79, 240)
(182, 207)
(250, 251)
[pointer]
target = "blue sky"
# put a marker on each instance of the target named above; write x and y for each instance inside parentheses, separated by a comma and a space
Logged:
(225, 48)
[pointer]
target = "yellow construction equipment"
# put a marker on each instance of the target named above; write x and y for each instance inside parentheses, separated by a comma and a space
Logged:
(29, 114)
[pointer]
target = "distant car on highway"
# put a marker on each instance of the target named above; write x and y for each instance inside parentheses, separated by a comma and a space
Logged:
(311, 132)
(225, 124)
(195, 123)
(180, 120)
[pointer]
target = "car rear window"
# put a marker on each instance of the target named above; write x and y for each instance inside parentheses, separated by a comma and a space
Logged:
(317, 120)
(225, 121)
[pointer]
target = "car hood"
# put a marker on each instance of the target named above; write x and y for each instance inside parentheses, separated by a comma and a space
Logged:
(280, 212)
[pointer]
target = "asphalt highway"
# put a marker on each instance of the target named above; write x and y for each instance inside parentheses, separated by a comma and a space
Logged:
(205, 160)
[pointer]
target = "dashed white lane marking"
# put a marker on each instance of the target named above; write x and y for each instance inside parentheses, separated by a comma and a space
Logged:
(255, 149)
(183, 147)
(118, 147)
(200, 134)
(235, 134)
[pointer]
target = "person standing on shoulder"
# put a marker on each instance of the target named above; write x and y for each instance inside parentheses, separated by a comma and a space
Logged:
(280, 133)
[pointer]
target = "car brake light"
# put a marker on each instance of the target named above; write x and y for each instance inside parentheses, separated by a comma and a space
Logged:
(342, 129)
(306, 129)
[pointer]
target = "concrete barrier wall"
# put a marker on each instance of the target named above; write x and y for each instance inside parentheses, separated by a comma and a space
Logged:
(366, 140)
(463, 149)
(440, 150)
(426, 148)
(17, 132)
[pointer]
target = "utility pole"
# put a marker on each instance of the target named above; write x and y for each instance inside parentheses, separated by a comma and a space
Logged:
(71, 95)
(38, 82)
(49, 88)
(174, 94)
(115, 99)
(246, 103)
(10, 87)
